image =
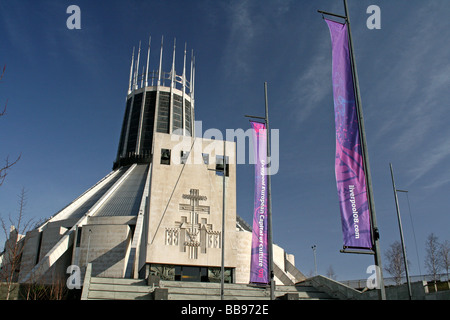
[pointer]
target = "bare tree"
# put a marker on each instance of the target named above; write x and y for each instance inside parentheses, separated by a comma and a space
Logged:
(12, 254)
(432, 260)
(8, 164)
(4, 170)
(310, 274)
(395, 265)
(445, 256)
(37, 290)
(330, 273)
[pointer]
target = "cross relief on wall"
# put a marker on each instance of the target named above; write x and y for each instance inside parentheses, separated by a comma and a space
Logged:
(193, 232)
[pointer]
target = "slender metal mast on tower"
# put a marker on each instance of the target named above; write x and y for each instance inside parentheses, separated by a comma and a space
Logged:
(137, 68)
(131, 72)
(160, 62)
(148, 58)
(173, 64)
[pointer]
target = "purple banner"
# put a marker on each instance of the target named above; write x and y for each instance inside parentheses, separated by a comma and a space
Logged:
(259, 267)
(349, 167)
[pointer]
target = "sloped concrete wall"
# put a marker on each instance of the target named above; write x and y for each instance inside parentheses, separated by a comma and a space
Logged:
(107, 246)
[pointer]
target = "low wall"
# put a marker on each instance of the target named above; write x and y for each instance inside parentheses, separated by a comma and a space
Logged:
(343, 292)
(334, 289)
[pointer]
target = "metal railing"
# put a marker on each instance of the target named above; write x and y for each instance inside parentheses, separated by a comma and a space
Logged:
(390, 281)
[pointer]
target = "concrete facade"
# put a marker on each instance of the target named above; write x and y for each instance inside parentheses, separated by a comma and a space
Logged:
(170, 225)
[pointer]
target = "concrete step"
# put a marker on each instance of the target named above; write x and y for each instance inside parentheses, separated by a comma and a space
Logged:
(212, 297)
(118, 289)
(118, 295)
(208, 291)
(200, 285)
(296, 288)
(119, 281)
(137, 289)
(231, 292)
(303, 291)
(305, 295)
(211, 291)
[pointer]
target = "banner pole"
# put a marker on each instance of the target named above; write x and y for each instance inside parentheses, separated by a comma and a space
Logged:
(374, 228)
(269, 197)
(331, 14)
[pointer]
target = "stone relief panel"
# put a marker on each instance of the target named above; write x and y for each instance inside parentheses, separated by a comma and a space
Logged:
(190, 234)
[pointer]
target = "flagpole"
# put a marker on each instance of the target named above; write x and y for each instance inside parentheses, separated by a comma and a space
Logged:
(374, 229)
(269, 199)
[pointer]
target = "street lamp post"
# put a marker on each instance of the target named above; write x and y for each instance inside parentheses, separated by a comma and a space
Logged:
(401, 233)
(222, 264)
(222, 277)
(89, 243)
(412, 226)
(315, 260)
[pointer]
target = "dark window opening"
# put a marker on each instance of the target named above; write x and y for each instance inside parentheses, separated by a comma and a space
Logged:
(134, 124)
(191, 273)
(177, 114)
(187, 115)
(163, 112)
(148, 123)
(165, 156)
(79, 237)
(39, 249)
(220, 166)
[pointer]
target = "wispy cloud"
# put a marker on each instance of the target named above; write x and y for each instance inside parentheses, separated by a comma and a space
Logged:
(412, 89)
(438, 183)
(312, 85)
(426, 161)
(407, 94)
(17, 33)
(247, 20)
(241, 35)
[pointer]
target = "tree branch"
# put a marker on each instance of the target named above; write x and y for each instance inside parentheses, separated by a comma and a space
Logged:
(6, 167)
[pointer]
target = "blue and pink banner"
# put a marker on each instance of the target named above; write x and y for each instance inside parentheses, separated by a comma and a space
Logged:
(349, 165)
(259, 267)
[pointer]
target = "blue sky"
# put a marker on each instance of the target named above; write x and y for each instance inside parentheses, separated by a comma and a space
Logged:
(66, 94)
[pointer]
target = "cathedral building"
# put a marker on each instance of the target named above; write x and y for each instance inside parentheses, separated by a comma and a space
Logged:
(160, 210)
